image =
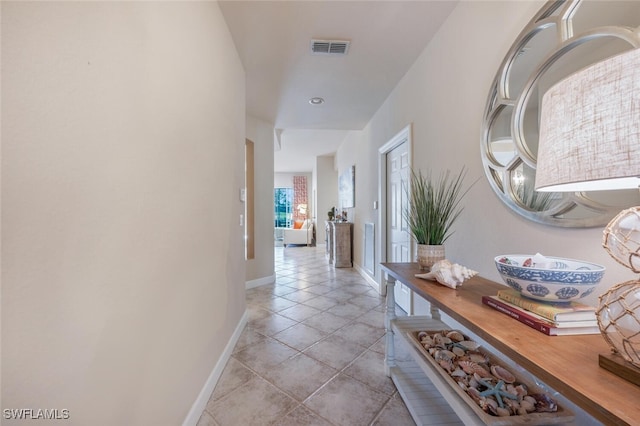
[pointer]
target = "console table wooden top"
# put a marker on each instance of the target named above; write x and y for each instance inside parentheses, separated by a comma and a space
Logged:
(569, 364)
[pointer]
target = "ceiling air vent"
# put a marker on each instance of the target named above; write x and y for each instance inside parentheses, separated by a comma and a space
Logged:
(329, 47)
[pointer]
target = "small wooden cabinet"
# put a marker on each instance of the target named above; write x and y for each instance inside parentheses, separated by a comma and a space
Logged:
(340, 244)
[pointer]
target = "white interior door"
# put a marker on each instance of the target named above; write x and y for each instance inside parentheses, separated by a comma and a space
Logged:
(398, 240)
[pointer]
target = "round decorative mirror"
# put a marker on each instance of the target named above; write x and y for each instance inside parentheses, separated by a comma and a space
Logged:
(563, 37)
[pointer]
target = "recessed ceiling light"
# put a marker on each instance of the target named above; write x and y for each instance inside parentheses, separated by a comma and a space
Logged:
(316, 101)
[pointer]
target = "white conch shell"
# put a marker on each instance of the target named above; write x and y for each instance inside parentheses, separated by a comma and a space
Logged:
(447, 273)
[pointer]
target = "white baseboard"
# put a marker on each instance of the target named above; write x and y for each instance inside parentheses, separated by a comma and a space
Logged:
(260, 281)
(201, 402)
(370, 280)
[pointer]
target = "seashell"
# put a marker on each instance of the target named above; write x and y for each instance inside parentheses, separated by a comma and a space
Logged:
(489, 405)
(512, 404)
(502, 374)
(422, 335)
(544, 403)
(445, 359)
(502, 412)
(478, 377)
(462, 382)
(478, 357)
(521, 390)
(471, 367)
(427, 341)
(474, 383)
(447, 364)
(450, 274)
(440, 340)
(458, 351)
(474, 394)
(455, 335)
(469, 345)
(444, 354)
(527, 406)
(458, 373)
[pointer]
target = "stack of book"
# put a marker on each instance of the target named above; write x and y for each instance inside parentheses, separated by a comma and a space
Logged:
(553, 319)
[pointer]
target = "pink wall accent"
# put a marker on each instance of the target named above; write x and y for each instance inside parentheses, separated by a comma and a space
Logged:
(300, 196)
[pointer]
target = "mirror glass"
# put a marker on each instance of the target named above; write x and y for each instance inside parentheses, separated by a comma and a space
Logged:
(591, 31)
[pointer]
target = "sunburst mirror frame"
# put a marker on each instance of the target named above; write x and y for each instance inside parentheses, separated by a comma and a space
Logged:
(512, 177)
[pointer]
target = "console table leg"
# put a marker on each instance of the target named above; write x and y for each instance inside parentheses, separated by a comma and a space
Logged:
(435, 313)
(390, 315)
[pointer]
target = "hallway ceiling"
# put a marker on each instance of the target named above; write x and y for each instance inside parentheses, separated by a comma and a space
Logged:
(273, 39)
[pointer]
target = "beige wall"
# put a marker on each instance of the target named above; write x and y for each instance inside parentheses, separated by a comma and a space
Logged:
(262, 268)
(122, 255)
(357, 149)
(443, 95)
(326, 178)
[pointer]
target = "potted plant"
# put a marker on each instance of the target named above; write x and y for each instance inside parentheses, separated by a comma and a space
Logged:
(331, 213)
(433, 207)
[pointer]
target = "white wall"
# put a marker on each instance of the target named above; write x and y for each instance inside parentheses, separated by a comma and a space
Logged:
(122, 255)
(327, 192)
(261, 134)
(356, 150)
(444, 95)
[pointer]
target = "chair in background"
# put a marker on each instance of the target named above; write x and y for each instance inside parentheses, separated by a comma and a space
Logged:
(301, 233)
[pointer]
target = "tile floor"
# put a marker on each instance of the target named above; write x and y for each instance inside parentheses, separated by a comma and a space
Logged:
(311, 354)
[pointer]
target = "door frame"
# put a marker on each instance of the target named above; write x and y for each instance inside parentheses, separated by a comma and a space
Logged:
(404, 135)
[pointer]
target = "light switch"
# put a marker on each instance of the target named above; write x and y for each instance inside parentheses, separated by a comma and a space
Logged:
(243, 194)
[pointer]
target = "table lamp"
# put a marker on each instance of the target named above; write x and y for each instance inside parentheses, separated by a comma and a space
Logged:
(302, 210)
(590, 141)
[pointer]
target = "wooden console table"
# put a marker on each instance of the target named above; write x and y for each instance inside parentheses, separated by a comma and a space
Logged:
(568, 364)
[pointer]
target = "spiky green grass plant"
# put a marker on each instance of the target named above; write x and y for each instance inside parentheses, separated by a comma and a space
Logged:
(434, 206)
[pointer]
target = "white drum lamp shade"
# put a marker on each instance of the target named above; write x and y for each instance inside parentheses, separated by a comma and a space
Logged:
(590, 128)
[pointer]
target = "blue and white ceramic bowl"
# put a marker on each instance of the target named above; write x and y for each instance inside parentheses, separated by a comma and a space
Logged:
(551, 279)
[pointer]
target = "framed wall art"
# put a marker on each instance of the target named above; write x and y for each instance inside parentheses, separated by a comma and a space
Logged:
(347, 187)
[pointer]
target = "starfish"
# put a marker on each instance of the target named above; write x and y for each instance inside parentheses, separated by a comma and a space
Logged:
(496, 391)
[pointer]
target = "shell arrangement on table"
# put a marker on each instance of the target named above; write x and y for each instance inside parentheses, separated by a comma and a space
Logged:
(494, 388)
(450, 274)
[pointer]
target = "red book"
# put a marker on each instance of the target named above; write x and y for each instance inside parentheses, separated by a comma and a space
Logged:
(539, 324)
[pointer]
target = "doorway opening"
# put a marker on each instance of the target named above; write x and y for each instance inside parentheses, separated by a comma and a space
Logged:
(394, 164)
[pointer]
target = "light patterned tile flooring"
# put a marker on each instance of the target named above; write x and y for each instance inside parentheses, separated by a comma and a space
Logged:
(312, 352)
